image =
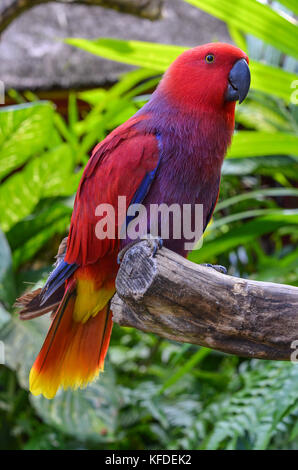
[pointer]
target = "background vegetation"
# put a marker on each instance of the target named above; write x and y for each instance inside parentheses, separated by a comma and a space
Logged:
(156, 393)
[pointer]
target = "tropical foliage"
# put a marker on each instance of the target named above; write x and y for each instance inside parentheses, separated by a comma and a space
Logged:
(156, 393)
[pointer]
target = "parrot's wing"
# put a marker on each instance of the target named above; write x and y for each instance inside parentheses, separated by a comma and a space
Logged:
(124, 164)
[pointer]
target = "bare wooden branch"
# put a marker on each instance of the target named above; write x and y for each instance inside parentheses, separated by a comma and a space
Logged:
(150, 9)
(182, 301)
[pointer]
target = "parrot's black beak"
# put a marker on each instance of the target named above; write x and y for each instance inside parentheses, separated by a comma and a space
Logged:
(239, 82)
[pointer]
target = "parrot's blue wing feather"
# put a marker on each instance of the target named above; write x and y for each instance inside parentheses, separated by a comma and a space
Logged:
(57, 277)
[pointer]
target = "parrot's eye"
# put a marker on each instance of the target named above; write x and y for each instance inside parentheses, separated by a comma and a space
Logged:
(209, 58)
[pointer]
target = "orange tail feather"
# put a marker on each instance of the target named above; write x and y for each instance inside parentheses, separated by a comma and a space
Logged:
(73, 352)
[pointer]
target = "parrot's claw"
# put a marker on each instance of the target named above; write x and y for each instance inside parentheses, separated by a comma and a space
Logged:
(217, 267)
(155, 244)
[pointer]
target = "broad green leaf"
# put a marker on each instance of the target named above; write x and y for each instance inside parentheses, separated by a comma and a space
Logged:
(19, 195)
(87, 414)
(144, 54)
(238, 37)
(42, 177)
(291, 5)
(278, 167)
(255, 115)
(243, 234)
(43, 218)
(30, 235)
(93, 97)
(158, 57)
(255, 18)
(254, 144)
(222, 221)
(272, 80)
(7, 283)
(258, 194)
(119, 111)
(59, 165)
(25, 130)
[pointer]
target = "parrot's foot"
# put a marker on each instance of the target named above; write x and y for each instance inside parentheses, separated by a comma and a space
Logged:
(155, 243)
(217, 267)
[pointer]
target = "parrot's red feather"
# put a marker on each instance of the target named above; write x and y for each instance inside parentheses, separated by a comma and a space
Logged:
(73, 352)
(124, 152)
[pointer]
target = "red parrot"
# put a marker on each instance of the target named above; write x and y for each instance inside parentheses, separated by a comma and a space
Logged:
(170, 151)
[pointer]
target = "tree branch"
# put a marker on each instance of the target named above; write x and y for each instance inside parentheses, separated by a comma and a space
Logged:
(150, 9)
(182, 301)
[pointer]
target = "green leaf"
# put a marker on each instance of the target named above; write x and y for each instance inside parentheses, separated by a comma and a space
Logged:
(287, 272)
(258, 116)
(279, 167)
(7, 283)
(187, 367)
(243, 234)
(30, 235)
(144, 54)
(87, 414)
(254, 144)
(44, 217)
(93, 97)
(259, 194)
(254, 18)
(25, 130)
(272, 80)
(59, 164)
(129, 83)
(42, 177)
(238, 37)
(291, 5)
(255, 412)
(222, 221)
(158, 57)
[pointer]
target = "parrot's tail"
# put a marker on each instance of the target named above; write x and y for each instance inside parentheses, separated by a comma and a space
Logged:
(74, 350)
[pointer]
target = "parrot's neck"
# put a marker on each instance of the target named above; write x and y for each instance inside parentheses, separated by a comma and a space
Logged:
(193, 143)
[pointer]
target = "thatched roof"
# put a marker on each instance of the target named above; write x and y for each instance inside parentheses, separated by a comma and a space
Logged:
(33, 56)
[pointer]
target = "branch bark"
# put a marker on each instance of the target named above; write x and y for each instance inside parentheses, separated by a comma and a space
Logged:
(150, 9)
(182, 301)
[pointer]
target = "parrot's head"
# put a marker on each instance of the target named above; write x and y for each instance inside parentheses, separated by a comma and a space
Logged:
(210, 77)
